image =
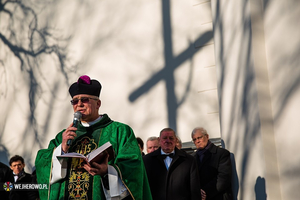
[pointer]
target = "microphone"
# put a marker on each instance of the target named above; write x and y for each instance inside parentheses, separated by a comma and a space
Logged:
(76, 120)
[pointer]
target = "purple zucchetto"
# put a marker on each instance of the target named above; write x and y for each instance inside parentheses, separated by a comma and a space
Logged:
(85, 85)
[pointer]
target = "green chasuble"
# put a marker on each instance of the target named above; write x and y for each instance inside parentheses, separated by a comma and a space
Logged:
(79, 184)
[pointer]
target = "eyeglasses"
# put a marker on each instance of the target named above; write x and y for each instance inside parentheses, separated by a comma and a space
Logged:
(83, 100)
(198, 138)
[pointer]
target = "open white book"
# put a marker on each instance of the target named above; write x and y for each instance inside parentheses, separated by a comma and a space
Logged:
(97, 155)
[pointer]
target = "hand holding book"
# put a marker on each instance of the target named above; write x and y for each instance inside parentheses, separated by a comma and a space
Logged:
(95, 168)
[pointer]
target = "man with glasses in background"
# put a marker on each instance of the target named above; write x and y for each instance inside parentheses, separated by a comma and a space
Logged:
(214, 167)
(79, 180)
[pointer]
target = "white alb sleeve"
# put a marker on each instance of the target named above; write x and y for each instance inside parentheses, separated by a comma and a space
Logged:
(59, 167)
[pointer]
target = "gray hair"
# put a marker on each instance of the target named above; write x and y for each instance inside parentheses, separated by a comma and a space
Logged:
(203, 131)
(152, 138)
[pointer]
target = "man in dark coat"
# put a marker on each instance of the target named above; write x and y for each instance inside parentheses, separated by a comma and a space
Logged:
(214, 167)
(172, 173)
(5, 176)
(20, 176)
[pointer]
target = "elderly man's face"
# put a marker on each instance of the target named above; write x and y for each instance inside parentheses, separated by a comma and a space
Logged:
(167, 141)
(17, 166)
(152, 145)
(200, 140)
(89, 107)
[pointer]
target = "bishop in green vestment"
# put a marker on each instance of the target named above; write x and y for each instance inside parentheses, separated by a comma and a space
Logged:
(123, 177)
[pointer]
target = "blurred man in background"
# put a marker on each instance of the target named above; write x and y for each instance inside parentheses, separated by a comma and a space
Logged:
(141, 145)
(152, 144)
(18, 175)
(178, 143)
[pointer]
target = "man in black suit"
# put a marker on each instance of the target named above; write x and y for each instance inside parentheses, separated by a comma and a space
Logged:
(172, 173)
(214, 167)
(20, 176)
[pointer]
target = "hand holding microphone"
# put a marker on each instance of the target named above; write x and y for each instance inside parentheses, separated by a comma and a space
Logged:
(76, 120)
(70, 132)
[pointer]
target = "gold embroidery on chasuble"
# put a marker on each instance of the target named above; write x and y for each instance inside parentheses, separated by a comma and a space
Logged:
(80, 181)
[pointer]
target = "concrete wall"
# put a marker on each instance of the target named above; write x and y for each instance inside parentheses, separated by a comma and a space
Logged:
(257, 47)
